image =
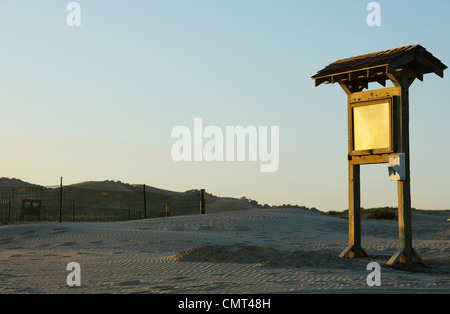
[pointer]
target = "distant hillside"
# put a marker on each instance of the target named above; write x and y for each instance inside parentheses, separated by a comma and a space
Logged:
(108, 185)
(214, 203)
(111, 185)
(14, 183)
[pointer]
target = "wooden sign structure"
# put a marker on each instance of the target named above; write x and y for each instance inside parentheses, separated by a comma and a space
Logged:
(378, 127)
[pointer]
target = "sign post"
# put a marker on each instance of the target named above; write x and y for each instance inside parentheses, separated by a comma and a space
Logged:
(378, 130)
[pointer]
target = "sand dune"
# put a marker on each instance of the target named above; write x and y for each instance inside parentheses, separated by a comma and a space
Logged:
(250, 251)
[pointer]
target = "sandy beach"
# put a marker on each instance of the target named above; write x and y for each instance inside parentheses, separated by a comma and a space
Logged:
(249, 251)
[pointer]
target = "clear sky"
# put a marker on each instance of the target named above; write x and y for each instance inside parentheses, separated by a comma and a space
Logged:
(99, 101)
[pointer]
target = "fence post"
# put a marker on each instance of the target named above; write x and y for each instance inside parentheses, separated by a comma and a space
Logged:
(60, 201)
(145, 204)
(167, 210)
(9, 211)
(202, 202)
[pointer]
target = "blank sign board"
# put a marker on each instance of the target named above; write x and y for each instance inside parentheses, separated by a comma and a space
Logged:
(372, 127)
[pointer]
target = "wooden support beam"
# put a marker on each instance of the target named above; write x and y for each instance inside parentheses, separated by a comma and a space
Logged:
(202, 202)
(354, 248)
(345, 88)
(405, 254)
(351, 87)
(379, 71)
(364, 84)
(323, 80)
(382, 82)
(399, 257)
(404, 187)
(370, 159)
(401, 79)
(399, 63)
(354, 210)
(431, 65)
(394, 79)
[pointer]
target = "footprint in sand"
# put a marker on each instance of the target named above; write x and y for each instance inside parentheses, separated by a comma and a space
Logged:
(126, 283)
(25, 235)
(96, 242)
(6, 240)
(15, 255)
(203, 228)
(66, 244)
(28, 232)
(58, 230)
(241, 228)
(43, 245)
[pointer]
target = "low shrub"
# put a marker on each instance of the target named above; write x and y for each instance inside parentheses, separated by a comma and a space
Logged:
(382, 213)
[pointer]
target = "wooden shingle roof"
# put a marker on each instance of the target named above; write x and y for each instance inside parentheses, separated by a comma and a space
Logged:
(414, 61)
